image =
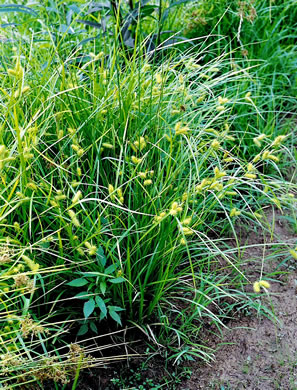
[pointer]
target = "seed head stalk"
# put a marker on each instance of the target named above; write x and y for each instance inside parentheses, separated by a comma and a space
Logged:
(20, 149)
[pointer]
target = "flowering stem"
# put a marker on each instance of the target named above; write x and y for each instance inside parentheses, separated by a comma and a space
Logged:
(20, 148)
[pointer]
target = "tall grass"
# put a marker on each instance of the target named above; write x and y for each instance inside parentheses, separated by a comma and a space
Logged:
(121, 174)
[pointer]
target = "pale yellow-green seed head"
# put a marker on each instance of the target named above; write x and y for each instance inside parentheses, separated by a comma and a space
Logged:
(77, 197)
(250, 176)
(107, 145)
(136, 160)
(187, 221)
(218, 173)
(142, 175)
(110, 188)
(234, 212)
(183, 241)
(250, 167)
(264, 283)
(222, 100)
(187, 231)
(147, 182)
(215, 144)
(158, 78)
(256, 287)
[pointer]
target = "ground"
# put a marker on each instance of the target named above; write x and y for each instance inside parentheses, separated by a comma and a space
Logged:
(256, 353)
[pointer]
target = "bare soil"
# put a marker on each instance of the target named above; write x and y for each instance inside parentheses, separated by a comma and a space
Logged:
(256, 353)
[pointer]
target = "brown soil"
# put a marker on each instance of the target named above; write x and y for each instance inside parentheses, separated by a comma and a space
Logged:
(254, 352)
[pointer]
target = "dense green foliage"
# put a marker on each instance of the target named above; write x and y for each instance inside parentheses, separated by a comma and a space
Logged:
(132, 147)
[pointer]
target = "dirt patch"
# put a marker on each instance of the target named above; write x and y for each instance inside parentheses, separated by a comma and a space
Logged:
(254, 352)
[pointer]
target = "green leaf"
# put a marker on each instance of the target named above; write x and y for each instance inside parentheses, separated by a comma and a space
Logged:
(114, 315)
(167, 10)
(82, 295)
(147, 10)
(94, 7)
(82, 330)
(104, 221)
(109, 270)
(103, 287)
(89, 308)
(45, 244)
(93, 327)
(89, 23)
(92, 274)
(17, 8)
(100, 256)
(101, 304)
(74, 8)
(117, 280)
(63, 28)
(77, 282)
(115, 308)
